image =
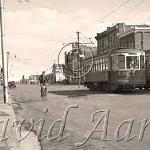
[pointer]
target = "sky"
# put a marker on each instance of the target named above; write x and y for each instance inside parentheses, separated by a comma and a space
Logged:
(36, 30)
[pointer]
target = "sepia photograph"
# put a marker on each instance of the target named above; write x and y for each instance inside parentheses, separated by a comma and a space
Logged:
(74, 74)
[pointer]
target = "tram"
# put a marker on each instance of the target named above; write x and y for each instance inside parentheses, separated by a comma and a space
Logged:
(115, 70)
(147, 74)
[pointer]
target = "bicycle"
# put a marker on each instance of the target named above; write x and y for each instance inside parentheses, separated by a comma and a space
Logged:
(43, 90)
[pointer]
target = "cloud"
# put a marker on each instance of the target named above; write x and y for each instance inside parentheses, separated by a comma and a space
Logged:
(38, 33)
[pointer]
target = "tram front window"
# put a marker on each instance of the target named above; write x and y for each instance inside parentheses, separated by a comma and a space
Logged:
(132, 62)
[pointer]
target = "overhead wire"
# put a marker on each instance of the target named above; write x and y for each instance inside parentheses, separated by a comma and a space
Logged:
(102, 18)
(128, 12)
(109, 14)
(39, 5)
(24, 3)
(115, 10)
(133, 8)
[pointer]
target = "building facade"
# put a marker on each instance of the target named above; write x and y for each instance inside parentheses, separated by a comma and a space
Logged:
(73, 62)
(138, 37)
(109, 39)
(124, 36)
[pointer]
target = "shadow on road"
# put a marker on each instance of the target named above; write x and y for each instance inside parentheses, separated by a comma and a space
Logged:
(80, 92)
(74, 93)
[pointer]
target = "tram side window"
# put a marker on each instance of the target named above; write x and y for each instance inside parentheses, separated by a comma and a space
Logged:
(114, 63)
(112, 59)
(106, 64)
(147, 62)
(103, 63)
(132, 62)
(96, 65)
(93, 67)
(121, 61)
(100, 64)
(142, 61)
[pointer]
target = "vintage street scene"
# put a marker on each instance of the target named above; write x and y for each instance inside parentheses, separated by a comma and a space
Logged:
(75, 75)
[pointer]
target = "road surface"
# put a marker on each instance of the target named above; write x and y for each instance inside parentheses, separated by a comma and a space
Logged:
(134, 107)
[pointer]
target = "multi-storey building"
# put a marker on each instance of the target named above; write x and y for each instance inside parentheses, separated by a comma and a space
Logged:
(124, 36)
(73, 61)
(109, 39)
(137, 37)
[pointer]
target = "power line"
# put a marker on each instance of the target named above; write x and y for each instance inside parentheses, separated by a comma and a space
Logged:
(38, 5)
(132, 9)
(24, 3)
(20, 1)
(110, 13)
(115, 10)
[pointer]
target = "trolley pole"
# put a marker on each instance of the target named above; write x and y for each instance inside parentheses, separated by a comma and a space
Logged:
(4, 58)
(78, 38)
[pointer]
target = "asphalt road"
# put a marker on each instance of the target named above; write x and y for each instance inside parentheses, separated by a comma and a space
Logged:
(122, 106)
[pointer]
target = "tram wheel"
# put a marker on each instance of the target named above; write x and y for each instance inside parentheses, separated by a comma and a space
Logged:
(91, 87)
(106, 87)
(115, 88)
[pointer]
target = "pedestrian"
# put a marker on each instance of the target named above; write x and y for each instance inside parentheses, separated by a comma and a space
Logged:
(43, 80)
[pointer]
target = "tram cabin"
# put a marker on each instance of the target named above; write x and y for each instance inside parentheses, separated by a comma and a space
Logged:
(117, 70)
(147, 61)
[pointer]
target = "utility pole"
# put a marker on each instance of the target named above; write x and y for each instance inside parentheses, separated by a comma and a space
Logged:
(8, 53)
(4, 58)
(78, 46)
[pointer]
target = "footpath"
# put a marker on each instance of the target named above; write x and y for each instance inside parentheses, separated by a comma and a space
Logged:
(8, 129)
(7, 117)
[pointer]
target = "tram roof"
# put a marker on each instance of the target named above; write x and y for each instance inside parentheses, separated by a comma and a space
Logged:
(120, 50)
(125, 50)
